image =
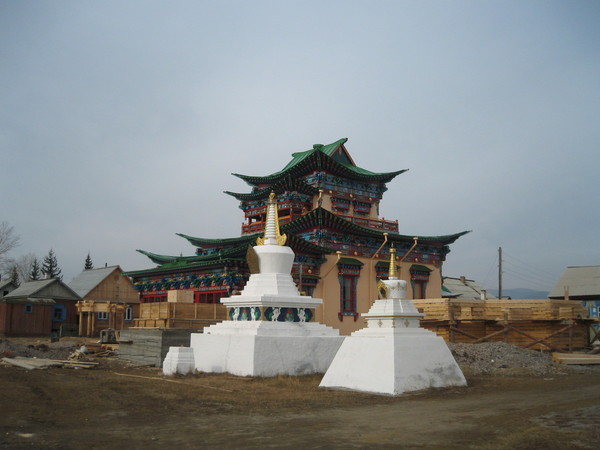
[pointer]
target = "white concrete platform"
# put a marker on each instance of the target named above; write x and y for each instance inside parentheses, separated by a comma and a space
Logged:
(393, 361)
(265, 349)
(179, 360)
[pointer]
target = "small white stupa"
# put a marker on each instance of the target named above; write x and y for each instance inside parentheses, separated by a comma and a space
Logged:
(393, 354)
(272, 330)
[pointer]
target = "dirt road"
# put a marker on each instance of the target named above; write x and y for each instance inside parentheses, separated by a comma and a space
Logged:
(117, 406)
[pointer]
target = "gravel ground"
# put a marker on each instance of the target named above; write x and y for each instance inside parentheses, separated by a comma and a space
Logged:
(500, 358)
(54, 350)
(488, 358)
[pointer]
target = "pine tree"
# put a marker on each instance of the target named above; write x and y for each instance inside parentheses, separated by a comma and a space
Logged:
(88, 263)
(14, 275)
(35, 271)
(50, 267)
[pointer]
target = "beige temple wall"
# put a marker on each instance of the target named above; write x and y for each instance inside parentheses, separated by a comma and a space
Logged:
(326, 204)
(329, 290)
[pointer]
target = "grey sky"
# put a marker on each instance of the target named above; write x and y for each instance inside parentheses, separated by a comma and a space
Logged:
(121, 121)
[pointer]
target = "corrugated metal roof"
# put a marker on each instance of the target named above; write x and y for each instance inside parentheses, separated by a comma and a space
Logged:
(581, 281)
(463, 289)
(89, 279)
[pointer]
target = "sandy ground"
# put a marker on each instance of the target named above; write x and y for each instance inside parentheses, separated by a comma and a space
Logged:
(118, 405)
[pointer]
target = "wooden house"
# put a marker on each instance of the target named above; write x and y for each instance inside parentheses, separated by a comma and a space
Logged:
(329, 208)
(464, 289)
(6, 287)
(39, 308)
(108, 300)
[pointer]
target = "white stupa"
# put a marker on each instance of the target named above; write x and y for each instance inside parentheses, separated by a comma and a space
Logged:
(393, 354)
(272, 330)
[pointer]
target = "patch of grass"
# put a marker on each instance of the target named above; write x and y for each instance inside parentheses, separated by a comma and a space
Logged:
(538, 437)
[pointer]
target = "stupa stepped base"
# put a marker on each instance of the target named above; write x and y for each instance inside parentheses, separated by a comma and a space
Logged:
(393, 361)
(265, 349)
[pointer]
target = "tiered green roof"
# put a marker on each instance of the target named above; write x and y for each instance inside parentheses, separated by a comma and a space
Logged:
(322, 157)
(286, 184)
(324, 218)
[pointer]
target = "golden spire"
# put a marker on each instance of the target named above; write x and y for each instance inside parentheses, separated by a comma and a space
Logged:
(393, 274)
(272, 234)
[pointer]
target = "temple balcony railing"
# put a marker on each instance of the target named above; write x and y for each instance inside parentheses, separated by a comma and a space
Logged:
(368, 222)
(258, 226)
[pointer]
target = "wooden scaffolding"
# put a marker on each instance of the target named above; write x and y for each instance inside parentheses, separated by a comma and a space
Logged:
(88, 311)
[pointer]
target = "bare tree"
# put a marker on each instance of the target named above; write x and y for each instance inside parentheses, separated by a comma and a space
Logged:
(8, 241)
(8, 238)
(23, 265)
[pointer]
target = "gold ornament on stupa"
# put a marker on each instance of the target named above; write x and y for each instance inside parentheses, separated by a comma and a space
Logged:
(272, 235)
(393, 275)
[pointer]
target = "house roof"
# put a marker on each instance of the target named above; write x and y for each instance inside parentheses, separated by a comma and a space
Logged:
(331, 157)
(582, 282)
(87, 280)
(6, 283)
(463, 288)
(51, 288)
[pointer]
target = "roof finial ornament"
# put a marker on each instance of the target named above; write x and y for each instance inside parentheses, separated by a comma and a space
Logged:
(272, 234)
(393, 273)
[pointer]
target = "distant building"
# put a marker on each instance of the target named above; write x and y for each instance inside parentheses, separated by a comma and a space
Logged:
(108, 300)
(39, 308)
(464, 289)
(581, 283)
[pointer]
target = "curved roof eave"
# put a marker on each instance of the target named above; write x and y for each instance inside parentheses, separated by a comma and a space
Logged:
(323, 217)
(317, 155)
(286, 184)
(207, 243)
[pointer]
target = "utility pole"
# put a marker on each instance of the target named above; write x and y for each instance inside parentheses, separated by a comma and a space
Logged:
(500, 272)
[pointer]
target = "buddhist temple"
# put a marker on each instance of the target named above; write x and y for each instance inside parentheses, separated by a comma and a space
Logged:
(329, 209)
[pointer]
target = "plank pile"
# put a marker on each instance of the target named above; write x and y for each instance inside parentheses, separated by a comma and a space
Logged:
(536, 324)
(40, 363)
(576, 358)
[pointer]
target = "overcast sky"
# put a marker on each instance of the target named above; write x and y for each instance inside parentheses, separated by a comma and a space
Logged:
(122, 121)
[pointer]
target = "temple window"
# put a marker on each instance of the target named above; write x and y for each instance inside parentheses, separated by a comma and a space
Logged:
(153, 298)
(348, 275)
(362, 208)
(209, 296)
(419, 278)
(129, 313)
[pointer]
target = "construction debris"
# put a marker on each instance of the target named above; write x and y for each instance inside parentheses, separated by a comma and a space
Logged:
(39, 363)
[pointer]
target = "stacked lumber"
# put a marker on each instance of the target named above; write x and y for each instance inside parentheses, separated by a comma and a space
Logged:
(179, 315)
(575, 358)
(537, 324)
(40, 363)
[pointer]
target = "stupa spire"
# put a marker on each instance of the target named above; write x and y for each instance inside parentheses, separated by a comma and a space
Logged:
(393, 273)
(272, 235)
